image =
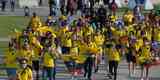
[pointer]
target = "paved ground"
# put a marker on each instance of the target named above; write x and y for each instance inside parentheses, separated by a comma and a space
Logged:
(63, 74)
(42, 11)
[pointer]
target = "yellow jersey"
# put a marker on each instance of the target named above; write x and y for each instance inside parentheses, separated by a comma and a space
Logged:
(145, 54)
(99, 39)
(113, 54)
(10, 59)
(24, 74)
(74, 50)
(48, 59)
(67, 42)
(28, 54)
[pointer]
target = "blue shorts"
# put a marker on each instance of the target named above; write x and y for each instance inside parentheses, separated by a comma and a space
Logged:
(11, 71)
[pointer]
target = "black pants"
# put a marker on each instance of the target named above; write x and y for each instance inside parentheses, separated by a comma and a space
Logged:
(36, 67)
(113, 65)
(88, 67)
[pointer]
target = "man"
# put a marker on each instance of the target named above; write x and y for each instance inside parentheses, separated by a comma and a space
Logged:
(12, 3)
(3, 2)
(51, 4)
(62, 8)
(114, 58)
(102, 16)
(40, 2)
(24, 72)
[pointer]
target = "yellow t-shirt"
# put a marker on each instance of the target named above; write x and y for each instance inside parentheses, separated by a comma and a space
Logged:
(113, 55)
(36, 53)
(26, 54)
(157, 36)
(145, 54)
(68, 43)
(10, 59)
(74, 50)
(121, 33)
(113, 18)
(99, 40)
(24, 74)
(88, 31)
(148, 36)
(139, 44)
(48, 60)
(82, 48)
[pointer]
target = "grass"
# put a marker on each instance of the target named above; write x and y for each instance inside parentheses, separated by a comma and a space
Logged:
(8, 23)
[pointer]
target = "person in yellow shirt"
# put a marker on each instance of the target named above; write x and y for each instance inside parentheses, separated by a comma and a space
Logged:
(74, 49)
(99, 39)
(145, 59)
(66, 43)
(90, 57)
(35, 21)
(114, 59)
(26, 52)
(24, 72)
(10, 62)
(36, 47)
(48, 59)
(128, 17)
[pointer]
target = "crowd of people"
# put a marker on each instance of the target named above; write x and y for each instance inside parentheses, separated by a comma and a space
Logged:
(83, 43)
(4, 4)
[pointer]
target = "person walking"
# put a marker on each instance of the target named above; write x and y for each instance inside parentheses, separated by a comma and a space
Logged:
(49, 66)
(24, 72)
(114, 58)
(12, 3)
(3, 2)
(11, 62)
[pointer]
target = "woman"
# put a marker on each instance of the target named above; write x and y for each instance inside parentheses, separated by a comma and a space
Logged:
(131, 60)
(71, 6)
(10, 62)
(145, 59)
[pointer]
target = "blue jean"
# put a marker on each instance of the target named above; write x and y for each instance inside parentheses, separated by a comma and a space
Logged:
(49, 73)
